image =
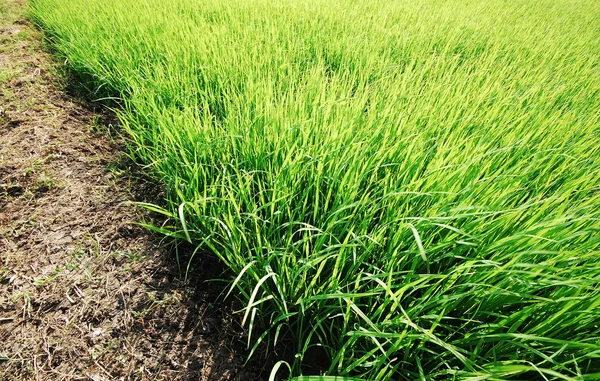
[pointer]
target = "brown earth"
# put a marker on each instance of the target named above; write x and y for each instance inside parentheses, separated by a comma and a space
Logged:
(85, 294)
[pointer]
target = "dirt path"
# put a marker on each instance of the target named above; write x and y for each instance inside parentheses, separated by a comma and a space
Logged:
(84, 294)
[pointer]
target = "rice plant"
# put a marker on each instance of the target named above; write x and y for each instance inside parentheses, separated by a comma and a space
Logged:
(402, 189)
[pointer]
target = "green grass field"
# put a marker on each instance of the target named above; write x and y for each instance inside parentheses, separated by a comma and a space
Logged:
(408, 190)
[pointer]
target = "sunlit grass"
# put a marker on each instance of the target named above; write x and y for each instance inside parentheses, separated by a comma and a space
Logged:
(413, 187)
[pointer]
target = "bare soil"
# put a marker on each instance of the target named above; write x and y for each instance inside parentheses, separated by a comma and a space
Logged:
(85, 294)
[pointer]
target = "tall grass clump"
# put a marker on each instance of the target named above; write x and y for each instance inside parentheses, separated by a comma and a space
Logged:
(402, 189)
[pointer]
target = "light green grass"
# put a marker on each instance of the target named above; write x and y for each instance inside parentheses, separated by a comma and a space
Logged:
(413, 186)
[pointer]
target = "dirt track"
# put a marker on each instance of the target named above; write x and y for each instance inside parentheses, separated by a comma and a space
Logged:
(84, 293)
